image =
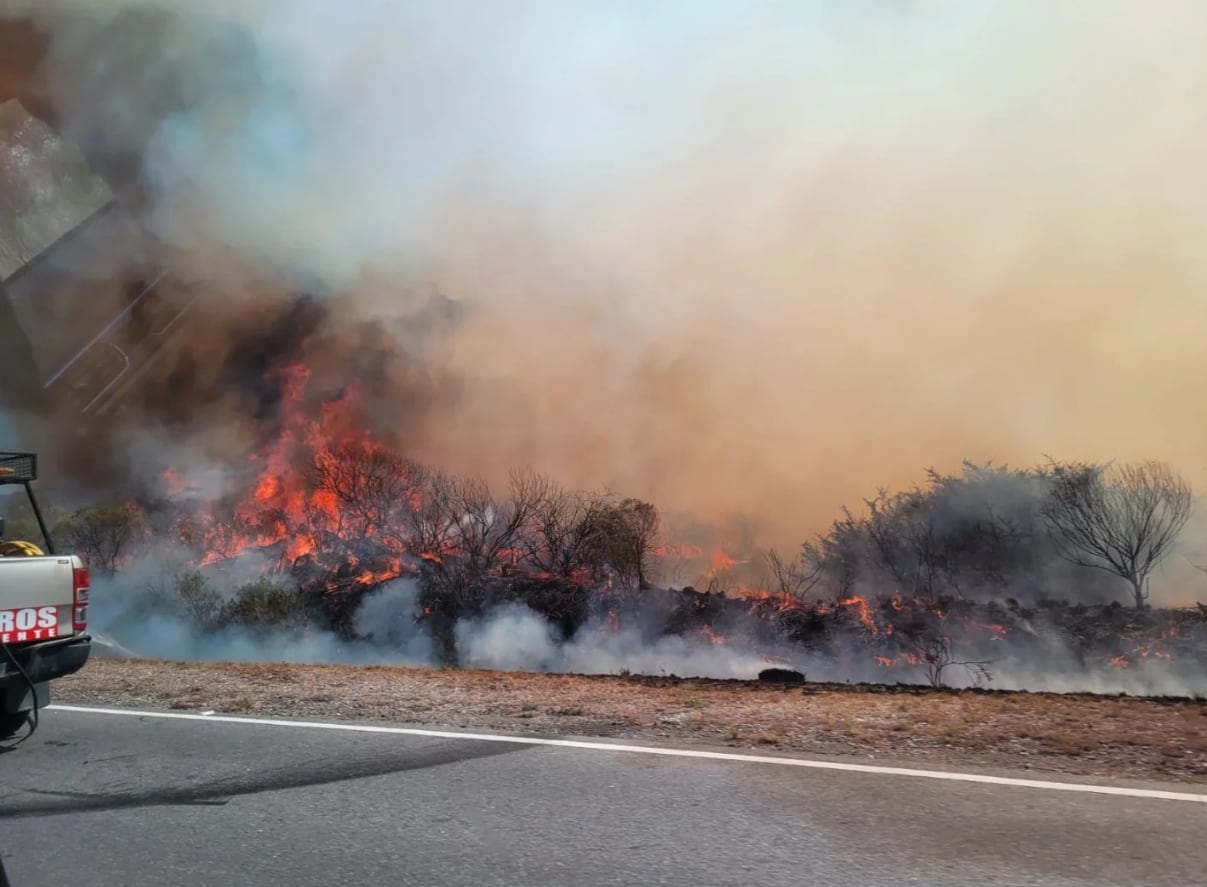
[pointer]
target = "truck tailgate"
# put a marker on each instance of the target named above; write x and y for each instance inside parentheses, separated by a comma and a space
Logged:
(36, 598)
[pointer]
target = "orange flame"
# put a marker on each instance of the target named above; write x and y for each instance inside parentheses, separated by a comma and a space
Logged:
(909, 659)
(865, 615)
(286, 506)
(774, 600)
(711, 636)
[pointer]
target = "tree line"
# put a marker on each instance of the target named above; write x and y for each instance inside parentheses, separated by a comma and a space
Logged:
(984, 531)
(992, 530)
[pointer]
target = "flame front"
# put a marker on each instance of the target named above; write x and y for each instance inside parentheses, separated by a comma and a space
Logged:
(301, 499)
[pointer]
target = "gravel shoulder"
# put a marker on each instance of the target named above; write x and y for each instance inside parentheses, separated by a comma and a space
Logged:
(1123, 738)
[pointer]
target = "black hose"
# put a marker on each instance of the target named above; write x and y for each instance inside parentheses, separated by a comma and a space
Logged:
(33, 692)
(33, 726)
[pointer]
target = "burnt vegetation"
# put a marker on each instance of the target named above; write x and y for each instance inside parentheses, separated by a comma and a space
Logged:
(991, 570)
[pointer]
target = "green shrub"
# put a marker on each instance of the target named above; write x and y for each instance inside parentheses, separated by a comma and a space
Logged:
(202, 604)
(105, 536)
(264, 604)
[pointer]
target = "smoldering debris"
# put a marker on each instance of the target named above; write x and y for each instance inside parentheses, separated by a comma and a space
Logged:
(551, 626)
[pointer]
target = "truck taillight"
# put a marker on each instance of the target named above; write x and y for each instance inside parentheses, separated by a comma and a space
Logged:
(79, 601)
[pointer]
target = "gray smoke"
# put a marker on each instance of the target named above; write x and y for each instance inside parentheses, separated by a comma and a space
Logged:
(787, 229)
(139, 614)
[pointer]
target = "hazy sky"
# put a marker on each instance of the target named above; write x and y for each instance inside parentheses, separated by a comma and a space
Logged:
(745, 256)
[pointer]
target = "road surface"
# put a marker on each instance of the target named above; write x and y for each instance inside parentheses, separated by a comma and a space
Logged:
(110, 799)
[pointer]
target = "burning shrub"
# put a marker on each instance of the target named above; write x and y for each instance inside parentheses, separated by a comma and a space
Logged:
(795, 578)
(463, 532)
(360, 491)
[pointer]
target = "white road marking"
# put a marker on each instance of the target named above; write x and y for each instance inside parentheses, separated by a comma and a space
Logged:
(208, 712)
(1118, 791)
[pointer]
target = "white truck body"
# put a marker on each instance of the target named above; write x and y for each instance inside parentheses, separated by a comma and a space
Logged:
(37, 598)
(43, 612)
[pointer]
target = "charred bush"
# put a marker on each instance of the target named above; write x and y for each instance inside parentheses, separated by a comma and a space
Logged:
(781, 676)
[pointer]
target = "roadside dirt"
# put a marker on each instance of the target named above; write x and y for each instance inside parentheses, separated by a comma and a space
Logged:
(1120, 737)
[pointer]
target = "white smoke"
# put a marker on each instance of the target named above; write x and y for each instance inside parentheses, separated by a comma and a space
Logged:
(141, 611)
(514, 638)
(137, 614)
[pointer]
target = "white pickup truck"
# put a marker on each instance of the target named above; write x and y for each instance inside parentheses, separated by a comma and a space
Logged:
(43, 612)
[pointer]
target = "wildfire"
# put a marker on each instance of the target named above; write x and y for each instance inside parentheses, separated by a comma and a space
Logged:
(172, 483)
(371, 577)
(776, 601)
(306, 506)
(720, 563)
(865, 616)
(902, 659)
(298, 503)
(711, 636)
(1125, 660)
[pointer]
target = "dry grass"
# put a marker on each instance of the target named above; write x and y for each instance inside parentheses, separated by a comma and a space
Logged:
(1077, 734)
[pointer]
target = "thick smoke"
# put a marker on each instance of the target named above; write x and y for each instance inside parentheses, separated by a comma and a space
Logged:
(737, 258)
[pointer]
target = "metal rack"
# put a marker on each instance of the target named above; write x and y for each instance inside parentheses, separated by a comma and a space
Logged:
(21, 469)
(18, 468)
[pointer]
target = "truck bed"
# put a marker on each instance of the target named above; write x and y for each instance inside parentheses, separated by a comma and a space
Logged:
(35, 598)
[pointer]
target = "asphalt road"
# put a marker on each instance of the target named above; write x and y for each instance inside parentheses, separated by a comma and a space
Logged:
(116, 800)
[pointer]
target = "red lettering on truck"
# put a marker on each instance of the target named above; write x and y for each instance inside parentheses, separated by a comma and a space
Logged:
(29, 624)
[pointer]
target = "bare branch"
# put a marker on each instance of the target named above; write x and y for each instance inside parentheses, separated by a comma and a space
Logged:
(1123, 522)
(798, 577)
(565, 535)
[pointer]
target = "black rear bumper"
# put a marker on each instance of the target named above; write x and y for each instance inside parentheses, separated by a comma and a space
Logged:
(48, 660)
